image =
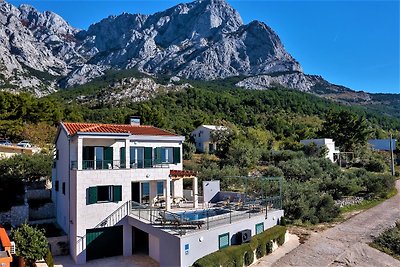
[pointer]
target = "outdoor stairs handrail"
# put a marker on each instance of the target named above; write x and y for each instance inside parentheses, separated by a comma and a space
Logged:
(114, 217)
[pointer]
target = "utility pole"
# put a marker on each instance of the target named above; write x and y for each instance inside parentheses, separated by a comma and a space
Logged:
(391, 155)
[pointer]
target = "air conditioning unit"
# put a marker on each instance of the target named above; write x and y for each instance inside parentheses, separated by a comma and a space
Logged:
(243, 236)
(12, 249)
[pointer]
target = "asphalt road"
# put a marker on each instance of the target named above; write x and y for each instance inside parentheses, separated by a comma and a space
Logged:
(346, 244)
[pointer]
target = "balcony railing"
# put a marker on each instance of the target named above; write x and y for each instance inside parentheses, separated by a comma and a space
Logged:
(117, 164)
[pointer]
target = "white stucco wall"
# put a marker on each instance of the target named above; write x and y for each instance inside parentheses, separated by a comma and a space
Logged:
(85, 216)
(205, 242)
(329, 143)
(61, 174)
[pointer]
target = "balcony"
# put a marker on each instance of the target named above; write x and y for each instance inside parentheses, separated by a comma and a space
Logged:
(117, 165)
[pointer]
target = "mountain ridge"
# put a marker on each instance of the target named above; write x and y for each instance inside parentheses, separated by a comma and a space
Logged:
(201, 40)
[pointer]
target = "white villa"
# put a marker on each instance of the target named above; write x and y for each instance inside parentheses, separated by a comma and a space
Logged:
(202, 136)
(118, 190)
(329, 143)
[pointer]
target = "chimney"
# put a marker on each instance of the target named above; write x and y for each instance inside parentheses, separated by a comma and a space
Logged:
(134, 120)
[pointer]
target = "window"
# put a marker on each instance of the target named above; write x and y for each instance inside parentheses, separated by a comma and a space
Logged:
(63, 188)
(107, 193)
(97, 157)
(167, 155)
(145, 192)
(160, 188)
(56, 185)
(137, 157)
(57, 154)
(259, 228)
(223, 240)
(104, 193)
(99, 152)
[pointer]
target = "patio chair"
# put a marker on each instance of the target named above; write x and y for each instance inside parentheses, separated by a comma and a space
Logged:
(174, 219)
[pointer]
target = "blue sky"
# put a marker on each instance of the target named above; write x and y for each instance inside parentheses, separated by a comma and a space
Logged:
(351, 43)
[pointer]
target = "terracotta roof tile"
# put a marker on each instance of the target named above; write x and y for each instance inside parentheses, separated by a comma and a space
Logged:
(74, 127)
(5, 241)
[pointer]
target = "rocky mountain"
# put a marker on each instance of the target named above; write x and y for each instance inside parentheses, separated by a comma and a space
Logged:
(128, 90)
(203, 40)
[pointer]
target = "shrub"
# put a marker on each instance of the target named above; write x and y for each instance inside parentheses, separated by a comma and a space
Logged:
(268, 247)
(248, 256)
(238, 255)
(49, 259)
(389, 241)
(280, 240)
(376, 165)
(283, 221)
(260, 250)
(31, 243)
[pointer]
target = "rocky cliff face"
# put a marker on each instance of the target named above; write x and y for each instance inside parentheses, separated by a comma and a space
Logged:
(205, 39)
(35, 48)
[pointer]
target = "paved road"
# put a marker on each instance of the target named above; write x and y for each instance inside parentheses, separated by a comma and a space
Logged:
(346, 243)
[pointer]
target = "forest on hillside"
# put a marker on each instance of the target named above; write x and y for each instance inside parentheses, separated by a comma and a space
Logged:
(265, 130)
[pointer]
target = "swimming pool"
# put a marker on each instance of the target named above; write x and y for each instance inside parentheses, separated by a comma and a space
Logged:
(201, 214)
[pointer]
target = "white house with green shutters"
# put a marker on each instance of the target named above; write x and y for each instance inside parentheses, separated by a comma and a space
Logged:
(100, 167)
(116, 189)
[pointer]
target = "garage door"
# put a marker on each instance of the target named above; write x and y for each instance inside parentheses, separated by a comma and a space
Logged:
(104, 242)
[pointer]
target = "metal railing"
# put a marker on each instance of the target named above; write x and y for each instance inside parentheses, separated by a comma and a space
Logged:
(180, 223)
(117, 164)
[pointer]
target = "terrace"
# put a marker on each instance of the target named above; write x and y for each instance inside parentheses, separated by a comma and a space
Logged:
(224, 208)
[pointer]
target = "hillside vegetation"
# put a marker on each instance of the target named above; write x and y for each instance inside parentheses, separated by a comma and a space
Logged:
(265, 130)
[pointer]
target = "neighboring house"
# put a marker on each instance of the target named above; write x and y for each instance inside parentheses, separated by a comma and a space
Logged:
(9, 151)
(5, 249)
(203, 137)
(329, 143)
(115, 188)
(382, 144)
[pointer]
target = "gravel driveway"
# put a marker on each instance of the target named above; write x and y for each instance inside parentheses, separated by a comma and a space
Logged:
(346, 243)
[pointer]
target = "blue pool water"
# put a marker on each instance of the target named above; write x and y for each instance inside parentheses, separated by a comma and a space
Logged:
(201, 214)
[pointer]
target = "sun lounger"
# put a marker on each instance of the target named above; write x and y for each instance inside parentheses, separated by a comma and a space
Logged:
(174, 219)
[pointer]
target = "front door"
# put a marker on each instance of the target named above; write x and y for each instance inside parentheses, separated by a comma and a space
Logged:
(135, 192)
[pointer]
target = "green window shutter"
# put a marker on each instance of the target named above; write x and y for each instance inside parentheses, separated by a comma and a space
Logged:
(223, 240)
(117, 193)
(157, 155)
(122, 157)
(177, 155)
(148, 154)
(259, 228)
(91, 195)
(107, 157)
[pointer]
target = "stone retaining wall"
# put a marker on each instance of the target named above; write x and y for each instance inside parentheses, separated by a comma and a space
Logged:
(44, 212)
(16, 216)
(38, 194)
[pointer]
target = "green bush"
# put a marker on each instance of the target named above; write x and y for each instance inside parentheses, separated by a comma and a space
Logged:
(260, 250)
(283, 221)
(248, 256)
(389, 241)
(376, 165)
(49, 259)
(31, 243)
(268, 247)
(238, 255)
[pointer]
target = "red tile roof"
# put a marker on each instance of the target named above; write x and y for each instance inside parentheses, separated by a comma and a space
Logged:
(5, 241)
(74, 127)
